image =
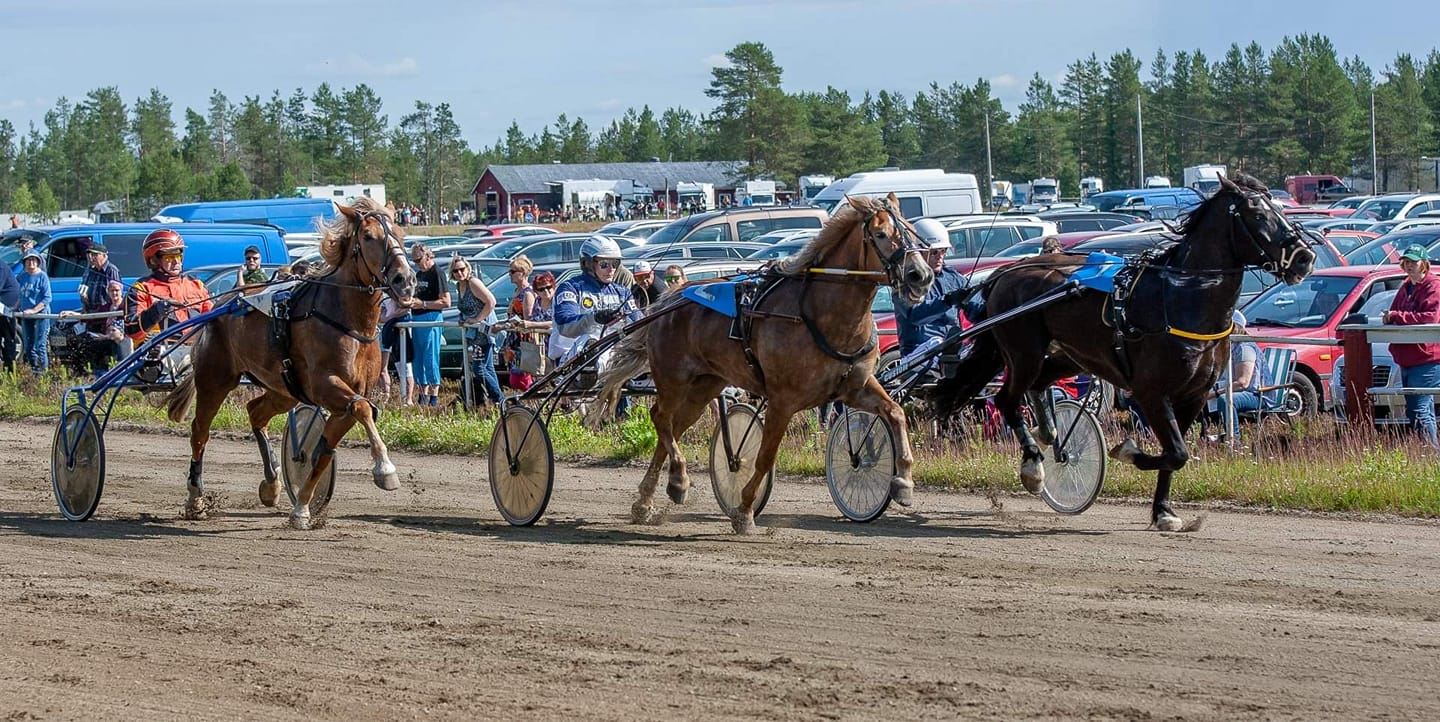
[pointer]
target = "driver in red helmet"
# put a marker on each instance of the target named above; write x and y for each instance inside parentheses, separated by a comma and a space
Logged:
(166, 295)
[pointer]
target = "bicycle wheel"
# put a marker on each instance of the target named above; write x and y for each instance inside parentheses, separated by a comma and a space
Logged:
(745, 428)
(77, 463)
(304, 426)
(859, 464)
(1075, 464)
(522, 466)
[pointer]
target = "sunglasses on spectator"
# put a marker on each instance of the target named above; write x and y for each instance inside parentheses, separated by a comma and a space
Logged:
(538, 289)
(252, 258)
(458, 269)
(672, 278)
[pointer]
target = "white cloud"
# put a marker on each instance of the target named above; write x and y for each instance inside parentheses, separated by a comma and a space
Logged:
(1004, 80)
(356, 66)
(717, 60)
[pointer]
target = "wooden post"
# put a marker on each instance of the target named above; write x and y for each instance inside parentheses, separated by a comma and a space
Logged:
(1358, 362)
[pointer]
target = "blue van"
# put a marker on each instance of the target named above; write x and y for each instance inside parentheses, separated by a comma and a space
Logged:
(292, 215)
(66, 250)
(1118, 201)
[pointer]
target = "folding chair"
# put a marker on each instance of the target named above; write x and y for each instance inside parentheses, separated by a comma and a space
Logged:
(1278, 400)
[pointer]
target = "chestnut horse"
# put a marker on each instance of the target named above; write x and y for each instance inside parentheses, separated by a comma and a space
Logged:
(333, 356)
(812, 340)
(1177, 341)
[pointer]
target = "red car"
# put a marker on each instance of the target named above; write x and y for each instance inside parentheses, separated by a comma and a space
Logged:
(1312, 309)
(491, 234)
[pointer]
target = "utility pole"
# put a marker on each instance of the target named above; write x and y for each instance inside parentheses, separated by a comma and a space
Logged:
(989, 170)
(1140, 140)
(1374, 159)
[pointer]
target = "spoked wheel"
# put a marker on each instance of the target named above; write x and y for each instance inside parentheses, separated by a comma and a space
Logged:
(729, 473)
(77, 463)
(522, 466)
(859, 464)
(304, 426)
(1075, 464)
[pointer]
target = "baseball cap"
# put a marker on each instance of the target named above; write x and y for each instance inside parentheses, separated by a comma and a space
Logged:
(641, 267)
(1415, 252)
(97, 248)
(252, 249)
(33, 255)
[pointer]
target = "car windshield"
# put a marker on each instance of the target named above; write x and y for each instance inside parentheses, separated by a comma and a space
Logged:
(505, 249)
(779, 250)
(1023, 248)
(673, 232)
(1373, 253)
(1308, 304)
(884, 301)
(1379, 209)
(10, 243)
(1106, 203)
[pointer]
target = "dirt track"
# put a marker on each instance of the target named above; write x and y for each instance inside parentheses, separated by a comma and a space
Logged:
(423, 602)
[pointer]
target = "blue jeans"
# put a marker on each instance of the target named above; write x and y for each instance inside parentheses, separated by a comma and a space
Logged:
(35, 346)
(482, 365)
(1244, 401)
(1421, 409)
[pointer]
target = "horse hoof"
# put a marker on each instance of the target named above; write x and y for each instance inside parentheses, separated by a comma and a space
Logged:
(385, 477)
(300, 523)
(743, 524)
(1125, 451)
(677, 494)
(1168, 522)
(1032, 475)
(640, 512)
(902, 491)
(269, 491)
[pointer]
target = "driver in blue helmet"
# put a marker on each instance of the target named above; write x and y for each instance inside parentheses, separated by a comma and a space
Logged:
(587, 303)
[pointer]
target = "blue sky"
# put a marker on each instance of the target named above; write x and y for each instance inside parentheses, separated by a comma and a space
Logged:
(495, 61)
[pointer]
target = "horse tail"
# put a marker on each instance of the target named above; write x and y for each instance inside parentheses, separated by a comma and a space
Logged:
(979, 363)
(630, 358)
(178, 402)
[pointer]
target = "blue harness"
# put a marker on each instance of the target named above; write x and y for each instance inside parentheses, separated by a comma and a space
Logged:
(1099, 271)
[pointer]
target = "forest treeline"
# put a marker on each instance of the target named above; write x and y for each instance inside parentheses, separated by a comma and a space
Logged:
(1294, 109)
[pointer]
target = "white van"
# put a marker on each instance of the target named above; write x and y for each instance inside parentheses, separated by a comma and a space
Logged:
(927, 192)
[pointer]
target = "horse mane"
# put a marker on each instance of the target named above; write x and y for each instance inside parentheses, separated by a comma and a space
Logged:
(836, 229)
(334, 236)
(1197, 217)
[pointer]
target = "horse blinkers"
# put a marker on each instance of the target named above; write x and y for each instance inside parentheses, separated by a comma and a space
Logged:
(394, 275)
(904, 244)
(1294, 248)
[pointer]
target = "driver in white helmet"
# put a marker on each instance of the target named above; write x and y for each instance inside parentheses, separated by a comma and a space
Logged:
(934, 317)
(591, 301)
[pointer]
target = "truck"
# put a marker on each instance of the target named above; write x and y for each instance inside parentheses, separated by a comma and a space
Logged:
(1000, 194)
(1044, 190)
(921, 191)
(699, 194)
(811, 185)
(755, 193)
(1157, 181)
(1019, 194)
(1204, 178)
(1307, 189)
(344, 194)
(1090, 185)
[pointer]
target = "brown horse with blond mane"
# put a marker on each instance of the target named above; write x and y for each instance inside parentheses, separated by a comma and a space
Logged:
(811, 340)
(332, 359)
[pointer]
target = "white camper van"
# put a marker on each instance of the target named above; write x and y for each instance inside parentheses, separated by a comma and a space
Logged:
(1090, 185)
(1204, 178)
(1044, 190)
(810, 185)
(755, 193)
(927, 192)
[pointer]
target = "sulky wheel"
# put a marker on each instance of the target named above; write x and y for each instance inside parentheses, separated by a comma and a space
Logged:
(859, 464)
(730, 472)
(522, 466)
(304, 426)
(1075, 463)
(77, 463)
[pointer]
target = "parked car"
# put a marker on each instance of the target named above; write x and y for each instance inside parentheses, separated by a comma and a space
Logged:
(1073, 220)
(1398, 206)
(638, 230)
(989, 235)
(506, 230)
(549, 248)
(738, 224)
(666, 251)
(1350, 203)
(1312, 309)
(1391, 226)
(1067, 240)
(1386, 409)
(1327, 225)
(1386, 249)
(779, 250)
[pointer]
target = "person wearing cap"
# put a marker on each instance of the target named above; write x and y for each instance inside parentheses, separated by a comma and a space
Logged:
(251, 274)
(166, 295)
(644, 290)
(34, 298)
(98, 275)
(1417, 302)
(935, 316)
(1243, 379)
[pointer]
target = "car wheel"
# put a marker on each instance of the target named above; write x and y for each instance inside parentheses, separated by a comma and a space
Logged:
(888, 360)
(1309, 398)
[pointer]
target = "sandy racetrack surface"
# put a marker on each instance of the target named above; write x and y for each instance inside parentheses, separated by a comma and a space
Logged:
(423, 602)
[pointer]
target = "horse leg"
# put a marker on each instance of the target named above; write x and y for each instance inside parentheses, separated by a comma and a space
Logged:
(1032, 471)
(689, 410)
(209, 394)
(1172, 457)
(872, 398)
(335, 429)
(261, 409)
(382, 472)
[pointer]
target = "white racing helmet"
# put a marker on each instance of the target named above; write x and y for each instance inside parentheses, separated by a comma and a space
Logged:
(932, 233)
(599, 247)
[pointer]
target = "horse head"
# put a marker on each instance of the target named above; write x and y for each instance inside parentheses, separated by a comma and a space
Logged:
(896, 244)
(364, 234)
(1261, 234)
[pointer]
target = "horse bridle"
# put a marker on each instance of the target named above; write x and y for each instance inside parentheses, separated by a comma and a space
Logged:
(1294, 241)
(393, 244)
(908, 242)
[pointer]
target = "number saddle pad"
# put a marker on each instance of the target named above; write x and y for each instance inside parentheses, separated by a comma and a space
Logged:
(1099, 272)
(718, 296)
(264, 301)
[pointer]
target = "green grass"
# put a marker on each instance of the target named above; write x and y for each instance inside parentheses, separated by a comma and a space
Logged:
(1321, 468)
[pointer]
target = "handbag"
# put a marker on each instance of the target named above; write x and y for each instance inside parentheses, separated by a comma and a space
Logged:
(529, 358)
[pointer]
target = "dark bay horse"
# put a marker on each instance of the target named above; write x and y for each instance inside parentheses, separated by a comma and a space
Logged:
(333, 354)
(812, 341)
(1179, 318)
